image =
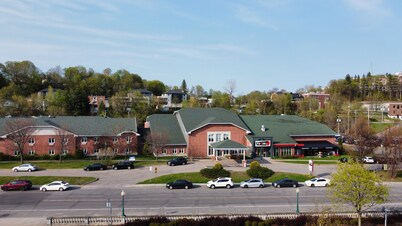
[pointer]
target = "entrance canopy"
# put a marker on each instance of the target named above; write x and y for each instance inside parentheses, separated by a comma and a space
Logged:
(319, 145)
(228, 144)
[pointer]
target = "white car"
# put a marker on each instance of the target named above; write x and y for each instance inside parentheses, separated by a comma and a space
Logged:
(55, 186)
(25, 167)
(368, 159)
(317, 182)
(220, 182)
(252, 183)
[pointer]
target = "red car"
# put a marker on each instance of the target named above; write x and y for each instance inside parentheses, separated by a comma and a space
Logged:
(17, 185)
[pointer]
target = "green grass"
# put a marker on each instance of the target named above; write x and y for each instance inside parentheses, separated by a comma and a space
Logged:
(74, 164)
(305, 161)
(40, 180)
(384, 176)
(237, 177)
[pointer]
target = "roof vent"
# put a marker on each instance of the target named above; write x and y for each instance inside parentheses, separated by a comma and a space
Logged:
(263, 128)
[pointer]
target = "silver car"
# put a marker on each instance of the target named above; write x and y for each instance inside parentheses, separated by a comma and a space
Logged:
(25, 167)
(252, 183)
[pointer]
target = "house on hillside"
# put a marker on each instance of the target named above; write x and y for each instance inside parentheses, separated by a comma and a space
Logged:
(171, 100)
(210, 132)
(87, 133)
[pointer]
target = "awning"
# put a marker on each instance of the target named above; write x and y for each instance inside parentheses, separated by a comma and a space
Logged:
(318, 145)
(227, 145)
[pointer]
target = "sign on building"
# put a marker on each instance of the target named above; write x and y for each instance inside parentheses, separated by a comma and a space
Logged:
(262, 143)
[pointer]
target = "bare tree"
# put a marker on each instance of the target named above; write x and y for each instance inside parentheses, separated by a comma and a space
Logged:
(157, 141)
(364, 137)
(392, 142)
(230, 88)
(62, 137)
(19, 131)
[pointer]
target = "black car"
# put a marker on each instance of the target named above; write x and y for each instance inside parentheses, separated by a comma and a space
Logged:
(285, 183)
(123, 165)
(95, 166)
(179, 184)
(177, 161)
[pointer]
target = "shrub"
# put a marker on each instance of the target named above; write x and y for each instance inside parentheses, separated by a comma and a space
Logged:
(260, 172)
(216, 171)
(254, 164)
(218, 166)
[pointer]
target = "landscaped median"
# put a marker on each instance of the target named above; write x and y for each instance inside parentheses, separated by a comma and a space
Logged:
(236, 176)
(306, 159)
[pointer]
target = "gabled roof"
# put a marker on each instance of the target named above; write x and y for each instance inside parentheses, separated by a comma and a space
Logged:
(283, 127)
(168, 124)
(196, 118)
(176, 91)
(82, 125)
(228, 144)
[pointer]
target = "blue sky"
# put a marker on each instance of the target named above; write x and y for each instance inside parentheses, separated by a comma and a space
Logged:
(261, 45)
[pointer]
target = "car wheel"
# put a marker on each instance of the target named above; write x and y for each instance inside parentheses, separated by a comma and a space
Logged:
(261, 186)
(29, 170)
(295, 185)
(186, 187)
(183, 163)
(5, 189)
(313, 185)
(115, 168)
(326, 185)
(245, 186)
(15, 170)
(44, 189)
(61, 189)
(228, 186)
(278, 186)
(87, 169)
(101, 168)
(170, 187)
(213, 186)
(129, 167)
(171, 164)
(22, 188)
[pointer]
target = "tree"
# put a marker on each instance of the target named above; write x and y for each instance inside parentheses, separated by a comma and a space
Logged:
(353, 184)
(392, 144)
(19, 131)
(157, 141)
(364, 136)
(184, 86)
(156, 87)
(62, 138)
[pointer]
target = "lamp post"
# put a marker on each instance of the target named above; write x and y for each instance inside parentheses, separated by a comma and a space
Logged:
(338, 120)
(122, 203)
(385, 215)
(297, 201)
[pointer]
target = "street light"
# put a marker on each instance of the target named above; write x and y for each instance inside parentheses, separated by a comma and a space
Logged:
(297, 201)
(122, 203)
(385, 215)
(338, 120)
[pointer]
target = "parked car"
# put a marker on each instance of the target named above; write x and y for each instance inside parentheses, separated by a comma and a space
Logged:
(285, 183)
(17, 185)
(55, 186)
(25, 167)
(317, 182)
(123, 165)
(252, 183)
(368, 159)
(177, 161)
(179, 184)
(220, 182)
(95, 166)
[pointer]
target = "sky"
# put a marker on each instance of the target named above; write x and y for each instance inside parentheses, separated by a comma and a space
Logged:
(258, 45)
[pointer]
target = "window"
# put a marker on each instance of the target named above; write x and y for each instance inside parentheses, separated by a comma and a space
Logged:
(128, 150)
(114, 139)
(164, 151)
(84, 140)
(115, 150)
(51, 140)
(31, 141)
(31, 152)
(65, 140)
(96, 140)
(210, 137)
(181, 150)
(174, 150)
(218, 137)
(129, 140)
(52, 152)
(96, 150)
(16, 152)
(85, 151)
(210, 151)
(65, 152)
(225, 136)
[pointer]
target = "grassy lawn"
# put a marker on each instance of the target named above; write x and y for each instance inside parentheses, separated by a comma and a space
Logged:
(74, 164)
(384, 176)
(305, 161)
(40, 180)
(237, 177)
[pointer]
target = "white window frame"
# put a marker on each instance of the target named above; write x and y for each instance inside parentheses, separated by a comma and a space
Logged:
(31, 152)
(51, 141)
(164, 151)
(51, 152)
(84, 140)
(174, 150)
(85, 151)
(182, 151)
(65, 151)
(129, 139)
(214, 136)
(116, 150)
(115, 139)
(31, 141)
(96, 140)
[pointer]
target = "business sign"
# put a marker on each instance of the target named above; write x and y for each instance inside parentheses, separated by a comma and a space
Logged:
(262, 143)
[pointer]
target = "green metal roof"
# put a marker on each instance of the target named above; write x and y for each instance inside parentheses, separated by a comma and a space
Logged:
(81, 125)
(283, 127)
(167, 123)
(228, 144)
(195, 118)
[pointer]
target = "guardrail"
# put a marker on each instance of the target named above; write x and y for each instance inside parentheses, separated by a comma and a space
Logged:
(120, 220)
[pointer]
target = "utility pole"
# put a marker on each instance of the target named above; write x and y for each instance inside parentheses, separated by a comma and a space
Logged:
(348, 118)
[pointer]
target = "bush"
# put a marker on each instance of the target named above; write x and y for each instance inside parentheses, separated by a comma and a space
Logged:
(216, 171)
(254, 164)
(259, 172)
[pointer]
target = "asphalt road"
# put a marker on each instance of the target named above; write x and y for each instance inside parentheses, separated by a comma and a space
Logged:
(32, 207)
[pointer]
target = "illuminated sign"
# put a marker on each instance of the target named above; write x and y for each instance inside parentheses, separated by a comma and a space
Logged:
(262, 143)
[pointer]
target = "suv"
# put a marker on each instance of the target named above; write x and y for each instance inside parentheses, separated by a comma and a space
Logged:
(123, 165)
(17, 185)
(177, 161)
(220, 182)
